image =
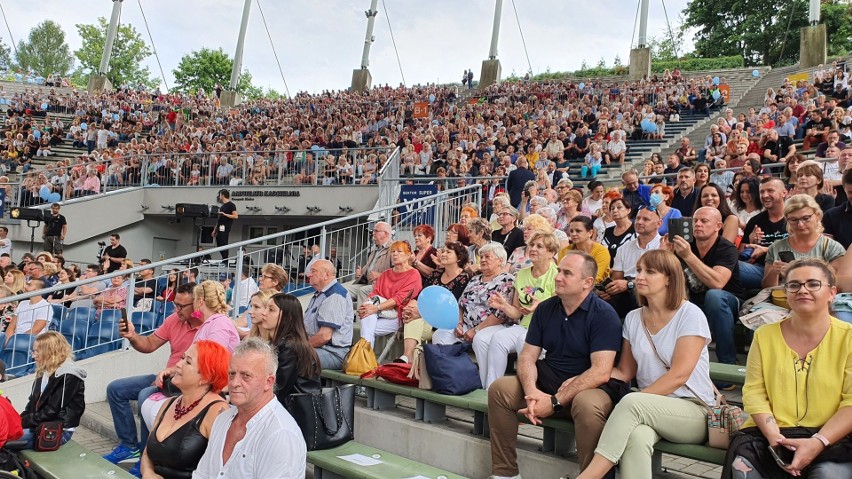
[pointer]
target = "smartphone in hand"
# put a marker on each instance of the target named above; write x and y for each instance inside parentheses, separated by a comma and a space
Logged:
(786, 256)
(681, 227)
(783, 456)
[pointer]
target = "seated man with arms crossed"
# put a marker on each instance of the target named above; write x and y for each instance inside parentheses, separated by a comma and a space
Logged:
(566, 380)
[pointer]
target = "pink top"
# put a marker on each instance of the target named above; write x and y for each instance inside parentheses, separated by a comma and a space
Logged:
(398, 286)
(92, 184)
(179, 334)
(221, 329)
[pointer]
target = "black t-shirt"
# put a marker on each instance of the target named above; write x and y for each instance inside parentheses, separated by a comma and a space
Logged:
(571, 339)
(724, 254)
(613, 241)
(117, 252)
(684, 204)
(53, 225)
(838, 223)
(511, 240)
(825, 202)
(819, 126)
(230, 209)
(772, 231)
(150, 283)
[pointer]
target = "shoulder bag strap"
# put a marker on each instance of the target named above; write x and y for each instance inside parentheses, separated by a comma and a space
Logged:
(719, 396)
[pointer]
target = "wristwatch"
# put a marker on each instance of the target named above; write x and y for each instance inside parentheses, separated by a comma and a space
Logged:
(555, 403)
(630, 285)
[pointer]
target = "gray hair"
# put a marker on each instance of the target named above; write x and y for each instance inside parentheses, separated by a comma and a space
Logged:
(538, 200)
(548, 213)
(496, 249)
(260, 346)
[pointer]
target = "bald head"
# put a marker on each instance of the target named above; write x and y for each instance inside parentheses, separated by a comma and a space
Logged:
(322, 273)
(707, 223)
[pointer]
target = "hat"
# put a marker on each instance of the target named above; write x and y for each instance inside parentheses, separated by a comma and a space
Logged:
(224, 276)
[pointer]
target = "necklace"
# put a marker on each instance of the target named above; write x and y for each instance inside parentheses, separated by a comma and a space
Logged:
(181, 411)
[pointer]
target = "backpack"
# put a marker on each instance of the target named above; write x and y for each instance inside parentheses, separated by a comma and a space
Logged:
(10, 461)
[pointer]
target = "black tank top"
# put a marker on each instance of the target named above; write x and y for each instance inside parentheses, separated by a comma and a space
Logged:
(176, 456)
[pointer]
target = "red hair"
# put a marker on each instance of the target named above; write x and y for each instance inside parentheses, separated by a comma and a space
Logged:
(426, 231)
(461, 231)
(403, 245)
(612, 194)
(213, 360)
(667, 190)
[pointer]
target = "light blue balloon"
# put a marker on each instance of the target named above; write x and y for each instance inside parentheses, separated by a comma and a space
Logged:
(715, 80)
(54, 198)
(44, 106)
(582, 86)
(755, 73)
(716, 95)
(432, 98)
(438, 307)
(44, 193)
(84, 126)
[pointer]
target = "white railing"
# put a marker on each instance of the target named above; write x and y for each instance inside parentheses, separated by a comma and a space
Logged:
(90, 321)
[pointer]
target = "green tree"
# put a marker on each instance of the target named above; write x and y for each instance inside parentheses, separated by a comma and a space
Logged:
(617, 61)
(128, 52)
(765, 33)
(45, 51)
(5, 55)
(205, 68)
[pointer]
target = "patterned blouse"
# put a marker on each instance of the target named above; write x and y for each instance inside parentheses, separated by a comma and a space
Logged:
(474, 300)
(456, 285)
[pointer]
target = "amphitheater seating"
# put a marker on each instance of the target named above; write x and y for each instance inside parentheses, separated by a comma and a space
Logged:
(18, 354)
(72, 461)
(328, 464)
(557, 433)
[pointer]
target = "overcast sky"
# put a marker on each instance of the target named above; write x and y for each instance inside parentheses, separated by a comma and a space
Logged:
(319, 42)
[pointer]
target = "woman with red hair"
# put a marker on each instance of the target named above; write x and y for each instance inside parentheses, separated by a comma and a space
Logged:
(180, 433)
(380, 314)
(661, 198)
(424, 237)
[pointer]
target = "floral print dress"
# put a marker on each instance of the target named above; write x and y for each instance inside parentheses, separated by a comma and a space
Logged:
(474, 300)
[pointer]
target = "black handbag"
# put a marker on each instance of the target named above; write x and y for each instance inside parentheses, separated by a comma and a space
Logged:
(48, 436)
(326, 418)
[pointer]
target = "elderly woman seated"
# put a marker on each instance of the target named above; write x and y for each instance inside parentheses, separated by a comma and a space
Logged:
(479, 322)
(381, 312)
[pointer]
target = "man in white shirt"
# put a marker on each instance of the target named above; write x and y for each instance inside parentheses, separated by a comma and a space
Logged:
(248, 286)
(5, 243)
(619, 292)
(257, 438)
(33, 316)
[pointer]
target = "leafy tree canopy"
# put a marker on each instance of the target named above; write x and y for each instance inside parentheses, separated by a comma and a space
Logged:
(205, 68)
(45, 50)
(128, 52)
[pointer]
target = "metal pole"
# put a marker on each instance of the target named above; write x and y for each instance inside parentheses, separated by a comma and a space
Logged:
(643, 24)
(110, 38)
(238, 55)
(238, 278)
(129, 306)
(495, 30)
(813, 12)
(369, 38)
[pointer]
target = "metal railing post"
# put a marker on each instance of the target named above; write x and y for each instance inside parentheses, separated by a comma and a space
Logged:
(129, 306)
(323, 242)
(238, 277)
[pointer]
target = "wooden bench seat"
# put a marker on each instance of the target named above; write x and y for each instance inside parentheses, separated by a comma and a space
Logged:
(328, 464)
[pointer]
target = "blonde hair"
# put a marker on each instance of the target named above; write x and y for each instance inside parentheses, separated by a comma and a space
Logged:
(799, 202)
(538, 223)
(53, 350)
(265, 295)
(50, 269)
(213, 295)
(20, 281)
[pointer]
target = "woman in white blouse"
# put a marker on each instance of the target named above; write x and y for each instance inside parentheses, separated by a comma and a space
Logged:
(665, 350)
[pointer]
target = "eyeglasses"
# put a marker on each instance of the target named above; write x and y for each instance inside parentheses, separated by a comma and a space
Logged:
(179, 306)
(649, 208)
(810, 285)
(800, 221)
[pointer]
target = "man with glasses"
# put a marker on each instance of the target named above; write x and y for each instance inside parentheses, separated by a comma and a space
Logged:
(179, 331)
(377, 262)
(635, 193)
(711, 264)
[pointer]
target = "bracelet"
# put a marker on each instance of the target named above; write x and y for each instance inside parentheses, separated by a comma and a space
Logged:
(825, 442)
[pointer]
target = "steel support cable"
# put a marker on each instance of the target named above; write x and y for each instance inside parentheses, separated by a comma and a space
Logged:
(393, 40)
(523, 40)
(274, 53)
(153, 46)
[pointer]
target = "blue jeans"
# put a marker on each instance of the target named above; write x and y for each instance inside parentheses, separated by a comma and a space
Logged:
(29, 437)
(751, 275)
(743, 469)
(331, 357)
(722, 311)
(119, 394)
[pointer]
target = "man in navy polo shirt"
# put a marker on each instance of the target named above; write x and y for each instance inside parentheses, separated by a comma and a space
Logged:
(582, 335)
